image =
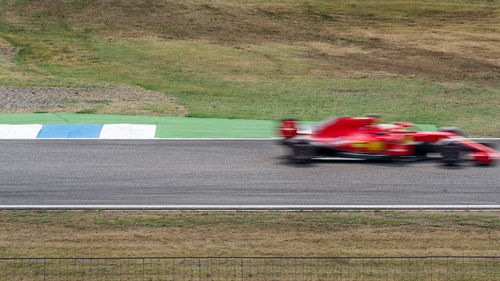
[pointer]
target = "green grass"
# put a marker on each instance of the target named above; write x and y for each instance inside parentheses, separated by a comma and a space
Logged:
(213, 92)
(335, 61)
(324, 219)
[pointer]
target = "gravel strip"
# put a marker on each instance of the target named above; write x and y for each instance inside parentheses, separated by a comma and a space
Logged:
(131, 100)
(8, 51)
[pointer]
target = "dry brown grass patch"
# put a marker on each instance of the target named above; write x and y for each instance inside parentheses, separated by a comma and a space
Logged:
(142, 233)
(457, 41)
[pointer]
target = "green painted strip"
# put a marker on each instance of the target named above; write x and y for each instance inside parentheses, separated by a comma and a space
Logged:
(424, 127)
(216, 128)
(167, 127)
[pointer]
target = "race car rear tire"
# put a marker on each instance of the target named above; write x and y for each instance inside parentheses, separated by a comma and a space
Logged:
(486, 164)
(302, 153)
(451, 154)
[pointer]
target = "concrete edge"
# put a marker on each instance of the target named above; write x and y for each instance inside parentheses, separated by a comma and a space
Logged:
(248, 207)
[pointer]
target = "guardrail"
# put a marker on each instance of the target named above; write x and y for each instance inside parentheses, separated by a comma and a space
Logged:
(253, 268)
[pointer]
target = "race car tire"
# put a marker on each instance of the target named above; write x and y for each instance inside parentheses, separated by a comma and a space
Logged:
(302, 153)
(451, 153)
(395, 160)
(488, 164)
(422, 149)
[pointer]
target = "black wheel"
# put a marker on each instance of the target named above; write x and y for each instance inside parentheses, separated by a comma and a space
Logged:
(396, 160)
(422, 149)
(451, 153)
(481, 164)
(302, 153)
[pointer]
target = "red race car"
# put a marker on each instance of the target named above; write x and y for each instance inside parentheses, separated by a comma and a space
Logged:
(364, 137)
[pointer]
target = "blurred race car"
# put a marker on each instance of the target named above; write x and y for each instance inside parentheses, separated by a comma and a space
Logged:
(364, 137)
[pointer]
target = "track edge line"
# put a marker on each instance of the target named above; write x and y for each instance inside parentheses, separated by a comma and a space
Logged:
(248, 207)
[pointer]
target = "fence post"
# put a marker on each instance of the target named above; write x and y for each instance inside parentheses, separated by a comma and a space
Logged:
(242, 277)
(199, 268)
(44, 271)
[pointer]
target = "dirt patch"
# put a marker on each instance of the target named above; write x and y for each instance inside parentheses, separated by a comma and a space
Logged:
(385, 59)
(119, 100)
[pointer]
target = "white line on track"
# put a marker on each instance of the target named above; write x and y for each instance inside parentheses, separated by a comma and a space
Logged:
(249, 207)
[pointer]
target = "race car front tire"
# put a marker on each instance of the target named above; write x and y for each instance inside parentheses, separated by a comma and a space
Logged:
(451, 153)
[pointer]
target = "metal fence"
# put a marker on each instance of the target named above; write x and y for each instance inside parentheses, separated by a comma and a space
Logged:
(253, 268)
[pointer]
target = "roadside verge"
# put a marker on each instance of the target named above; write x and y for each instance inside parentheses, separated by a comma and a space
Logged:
(166, 127)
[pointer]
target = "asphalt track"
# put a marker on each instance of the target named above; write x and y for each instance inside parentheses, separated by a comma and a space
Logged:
(222, 172)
